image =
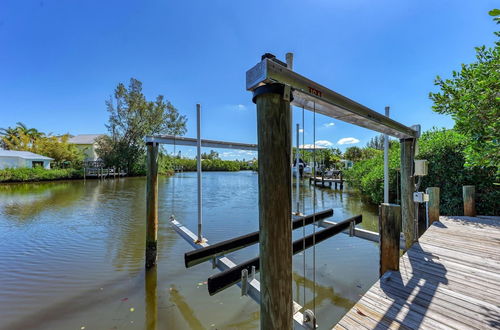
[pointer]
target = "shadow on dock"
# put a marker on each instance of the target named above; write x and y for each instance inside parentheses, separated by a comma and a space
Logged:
(416, 294)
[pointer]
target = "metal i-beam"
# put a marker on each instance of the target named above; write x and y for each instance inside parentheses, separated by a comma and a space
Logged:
(198, 256)
(225, 279)
(224, 263)
(315, 97)
(185, 141)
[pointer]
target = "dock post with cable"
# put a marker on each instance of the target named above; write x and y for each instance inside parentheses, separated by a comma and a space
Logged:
(274, 146)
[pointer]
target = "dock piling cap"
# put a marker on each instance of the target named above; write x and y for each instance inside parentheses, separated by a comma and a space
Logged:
(270, 89)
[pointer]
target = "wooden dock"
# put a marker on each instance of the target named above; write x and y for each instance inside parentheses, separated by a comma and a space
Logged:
(448, 280)
(102, 173)
(327, 181)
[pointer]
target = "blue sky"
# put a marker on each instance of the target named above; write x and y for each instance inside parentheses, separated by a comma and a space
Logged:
(60, 60)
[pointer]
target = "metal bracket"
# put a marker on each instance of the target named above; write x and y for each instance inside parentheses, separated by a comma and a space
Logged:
(286, 93)
(309, 319)
(244, 282)
(172, 218)
(214, 263)
(351, 228)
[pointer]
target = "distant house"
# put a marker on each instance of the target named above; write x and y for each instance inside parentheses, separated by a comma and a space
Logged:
(88, 144)
(17, 159)
(346, 163)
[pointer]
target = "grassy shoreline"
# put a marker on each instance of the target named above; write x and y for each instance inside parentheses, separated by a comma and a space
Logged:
(12, 175)
(20, 175)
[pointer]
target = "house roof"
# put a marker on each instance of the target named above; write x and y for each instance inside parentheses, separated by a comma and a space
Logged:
(84, 138)
(23, 154)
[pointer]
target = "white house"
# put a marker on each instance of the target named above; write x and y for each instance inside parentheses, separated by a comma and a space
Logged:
(17, 159)
(87, 143)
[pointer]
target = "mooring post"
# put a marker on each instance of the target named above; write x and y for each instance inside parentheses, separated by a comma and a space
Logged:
(275, 238)
(432, 205)
(469, 193)
(389, 227)
(407, 189)
(151, 204)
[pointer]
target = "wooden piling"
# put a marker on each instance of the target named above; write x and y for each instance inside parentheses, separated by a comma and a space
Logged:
(151, 204)
(469, 193)
(389, 226)
(274, 141)
(407, 189)
(433, 204)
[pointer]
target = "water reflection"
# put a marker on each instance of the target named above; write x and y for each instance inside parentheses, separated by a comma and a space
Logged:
(73, 254)
(187, 312)
(151, 298)
(323, 293)
(26, 201)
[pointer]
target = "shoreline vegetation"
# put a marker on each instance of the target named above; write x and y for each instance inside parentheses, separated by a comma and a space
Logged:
(445, 149)
(166, 168)
(18, 175)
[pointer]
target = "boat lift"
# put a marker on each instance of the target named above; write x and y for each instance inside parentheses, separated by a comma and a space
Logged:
(271, 76)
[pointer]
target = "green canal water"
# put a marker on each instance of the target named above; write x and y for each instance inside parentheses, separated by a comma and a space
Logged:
(72, 255)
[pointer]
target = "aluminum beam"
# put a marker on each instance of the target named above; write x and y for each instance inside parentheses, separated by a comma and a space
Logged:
(313, 96)
(185, 141)
(362, 233)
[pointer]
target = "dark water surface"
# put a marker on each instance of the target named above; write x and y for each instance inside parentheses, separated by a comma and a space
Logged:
(72, 255)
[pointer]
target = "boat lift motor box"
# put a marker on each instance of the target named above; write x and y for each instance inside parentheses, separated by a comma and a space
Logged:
(420, 197)
(421, 167)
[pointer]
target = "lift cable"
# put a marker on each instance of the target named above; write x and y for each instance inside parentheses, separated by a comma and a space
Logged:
(314, 210)
(304, 212)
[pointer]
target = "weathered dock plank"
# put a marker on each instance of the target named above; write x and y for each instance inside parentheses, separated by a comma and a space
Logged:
(448, 280)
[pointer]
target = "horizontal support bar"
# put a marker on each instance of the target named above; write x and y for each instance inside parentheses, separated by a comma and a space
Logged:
(185, 141)
(315, 97)
(225, 279)
(363, 233)
(225, 264)
(198, 256)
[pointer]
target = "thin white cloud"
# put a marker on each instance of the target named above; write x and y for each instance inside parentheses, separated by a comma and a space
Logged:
(348, 140)
(320, 144)
(327, 125)
(233, 154)
(301, 130)
(324, 143)
(240, 107)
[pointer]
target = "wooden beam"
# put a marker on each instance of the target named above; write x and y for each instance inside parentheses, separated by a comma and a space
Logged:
(469, 193)
(407, 189)
(275, 187)
(433, 205)
(151, 204)
(389, 227)
(198, 256)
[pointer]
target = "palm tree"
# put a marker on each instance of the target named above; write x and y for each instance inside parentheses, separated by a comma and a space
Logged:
(32, 133)
(8, 134)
